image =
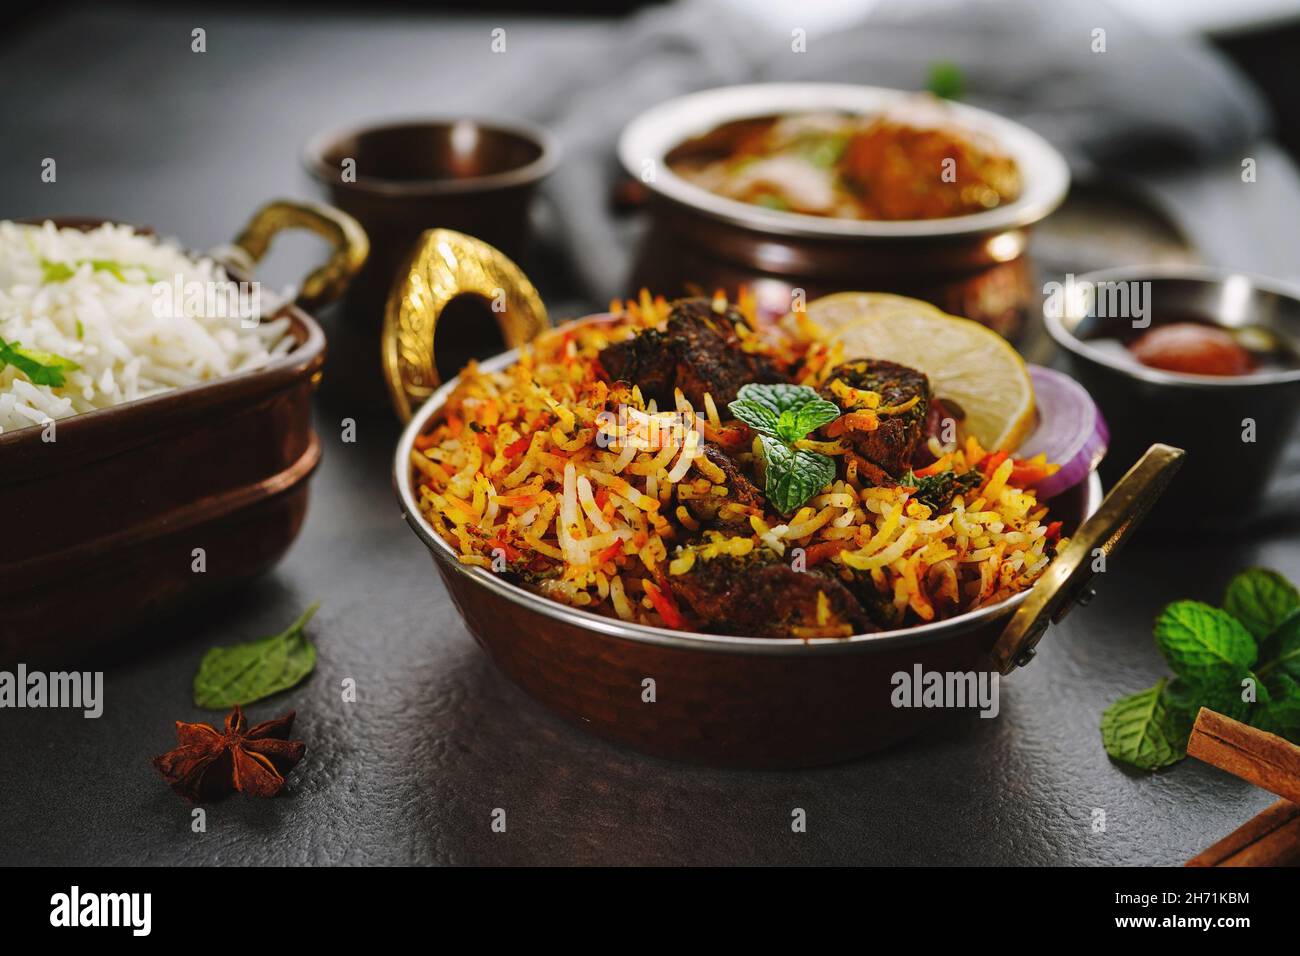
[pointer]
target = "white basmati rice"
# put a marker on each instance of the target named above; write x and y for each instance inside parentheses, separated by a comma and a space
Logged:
(93, 298)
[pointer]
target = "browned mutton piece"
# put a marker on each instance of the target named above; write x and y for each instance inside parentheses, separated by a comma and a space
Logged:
(759, 595)
(697, 352)
(740, 490)
(891, 446)
(878, 605)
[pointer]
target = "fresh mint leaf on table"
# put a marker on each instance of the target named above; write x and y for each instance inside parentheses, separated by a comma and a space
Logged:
(783, 415)
(247, 672)
(41, 368)
(1204, 645)
(1185, 699)
(1281, 649)
(1279, 707)
(1144, 731)
(1242, 660)
(1261, 600)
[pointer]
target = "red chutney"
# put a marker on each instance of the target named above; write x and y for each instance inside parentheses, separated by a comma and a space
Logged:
(1193, 349)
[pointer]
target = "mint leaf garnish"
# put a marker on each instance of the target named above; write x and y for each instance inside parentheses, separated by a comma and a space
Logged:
(1144, 731)
(761, 418)
(42, 368)
(767, 402)
(783, 415)
(946, 80)
(806, 419)
(793, 474)
(1260, 599)
(1203, 644)
(243, 673)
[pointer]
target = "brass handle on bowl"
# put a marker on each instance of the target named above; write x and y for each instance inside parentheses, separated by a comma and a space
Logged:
(344, 234)
(446, 265)
(1067, 578)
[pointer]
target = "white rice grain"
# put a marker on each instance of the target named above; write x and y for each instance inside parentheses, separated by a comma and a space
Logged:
(109, 325)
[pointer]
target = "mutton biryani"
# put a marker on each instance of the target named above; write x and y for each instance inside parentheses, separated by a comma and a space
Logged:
(687, 466)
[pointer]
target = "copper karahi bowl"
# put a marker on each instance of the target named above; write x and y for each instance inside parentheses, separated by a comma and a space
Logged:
(972, 265)
(725, 700)
(109, 512)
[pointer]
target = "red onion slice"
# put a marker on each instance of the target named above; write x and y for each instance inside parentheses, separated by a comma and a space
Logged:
(1070, 431)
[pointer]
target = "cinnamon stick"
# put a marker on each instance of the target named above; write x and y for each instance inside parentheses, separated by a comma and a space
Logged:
(1261, 758)
(1270, 838)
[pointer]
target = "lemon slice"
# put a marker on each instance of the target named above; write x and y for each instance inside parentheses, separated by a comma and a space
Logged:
(967, 363)
(832, 312)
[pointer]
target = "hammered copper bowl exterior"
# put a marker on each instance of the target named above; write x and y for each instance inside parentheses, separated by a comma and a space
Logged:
(101, 524)
(715, 708)
(987, 278)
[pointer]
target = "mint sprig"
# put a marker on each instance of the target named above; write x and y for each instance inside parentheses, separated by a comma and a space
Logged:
(1204, 645)
(1242, 660)
(794, 474)
(783, 415)
(1261, 600)
(1281, 648)
(946, 80)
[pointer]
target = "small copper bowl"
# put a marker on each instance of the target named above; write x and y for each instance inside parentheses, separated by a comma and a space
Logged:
(109, 513)
(471, 175)
(967, 265)
(1226, 478)
(722, 700)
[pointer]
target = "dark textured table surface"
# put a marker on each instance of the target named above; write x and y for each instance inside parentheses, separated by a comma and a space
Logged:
(145, 131)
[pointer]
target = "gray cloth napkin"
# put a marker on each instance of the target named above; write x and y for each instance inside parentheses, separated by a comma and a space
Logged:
(1147, 99)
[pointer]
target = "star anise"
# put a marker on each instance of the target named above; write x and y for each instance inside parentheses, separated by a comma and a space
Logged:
(209, 764)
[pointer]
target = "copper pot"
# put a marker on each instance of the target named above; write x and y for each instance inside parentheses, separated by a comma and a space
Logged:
(972, 265)
(723, 700)
(110, 512)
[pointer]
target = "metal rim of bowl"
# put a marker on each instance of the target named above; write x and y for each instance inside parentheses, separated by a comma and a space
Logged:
(1208, 274)
(658, 130)
(316, 149)
(645, 633)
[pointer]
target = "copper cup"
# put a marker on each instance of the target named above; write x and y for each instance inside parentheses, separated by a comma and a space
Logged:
(401, 178)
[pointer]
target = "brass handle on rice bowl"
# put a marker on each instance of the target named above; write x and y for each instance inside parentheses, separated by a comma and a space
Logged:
(444, 266)
(1066, 579)
(344, 234)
